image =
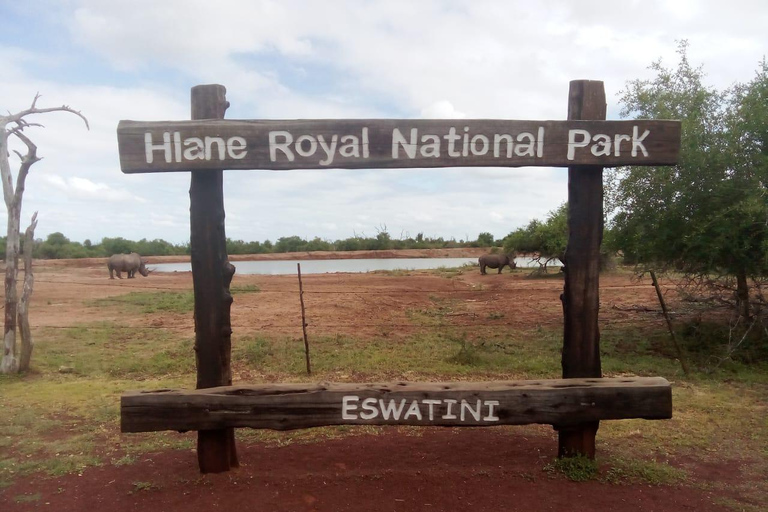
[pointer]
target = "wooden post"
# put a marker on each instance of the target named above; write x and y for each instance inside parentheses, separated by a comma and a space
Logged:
(304, 321)
(665, 312)
(211, 275)
(581, 297)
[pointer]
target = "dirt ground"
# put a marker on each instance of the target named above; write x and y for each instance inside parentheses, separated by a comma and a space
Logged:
(427, 469)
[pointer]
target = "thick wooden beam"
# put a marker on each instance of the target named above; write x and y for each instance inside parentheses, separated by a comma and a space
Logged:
(168, 146)
(581, 298)
(211, 276)
(458, 404)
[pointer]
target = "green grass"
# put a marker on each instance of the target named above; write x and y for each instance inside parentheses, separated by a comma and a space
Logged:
(158, 302)
(576, 469)
(106, 349)
(633, 471)
(55, 423)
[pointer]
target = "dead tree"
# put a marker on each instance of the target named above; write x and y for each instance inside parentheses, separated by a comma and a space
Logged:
(13, 125)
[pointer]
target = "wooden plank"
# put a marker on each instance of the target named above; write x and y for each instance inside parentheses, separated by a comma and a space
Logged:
(211, 276)
(456, 404)
(581, 293)
(392, 143)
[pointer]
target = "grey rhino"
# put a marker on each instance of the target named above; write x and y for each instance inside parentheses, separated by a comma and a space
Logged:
(496, 261)
(127, 263)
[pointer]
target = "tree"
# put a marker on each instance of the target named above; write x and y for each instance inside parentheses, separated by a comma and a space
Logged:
(14, 125)
(485, 239)
(707, 216)
(545, 240)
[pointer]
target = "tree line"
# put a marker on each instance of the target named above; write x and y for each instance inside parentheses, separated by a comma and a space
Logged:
(58, 246)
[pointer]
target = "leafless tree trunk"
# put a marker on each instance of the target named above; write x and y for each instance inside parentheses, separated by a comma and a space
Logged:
(14, 125)
(27, 344)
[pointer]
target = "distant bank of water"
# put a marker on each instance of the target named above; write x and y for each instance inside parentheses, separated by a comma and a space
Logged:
(282, 267)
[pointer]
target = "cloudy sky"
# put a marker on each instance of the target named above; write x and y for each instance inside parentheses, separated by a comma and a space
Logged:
(293, 59)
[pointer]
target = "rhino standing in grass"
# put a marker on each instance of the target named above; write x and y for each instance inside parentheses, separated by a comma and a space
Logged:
(129, 263)
(496, 261)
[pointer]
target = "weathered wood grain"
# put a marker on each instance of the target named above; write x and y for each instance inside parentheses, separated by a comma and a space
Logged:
(296, 406)
(250, 148)
(581, 291)
(211, 276)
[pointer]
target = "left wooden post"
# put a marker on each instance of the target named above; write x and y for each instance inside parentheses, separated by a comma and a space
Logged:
(211, 275)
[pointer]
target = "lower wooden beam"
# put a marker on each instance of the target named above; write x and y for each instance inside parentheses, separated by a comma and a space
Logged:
(559, 402)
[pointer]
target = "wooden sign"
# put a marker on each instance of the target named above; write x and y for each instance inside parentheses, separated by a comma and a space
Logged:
(392, 143)
(468, 404)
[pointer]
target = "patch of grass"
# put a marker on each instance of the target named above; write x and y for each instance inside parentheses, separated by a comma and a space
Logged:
(106, 349)
(576, 469)
(125, 460)
(255, 350)
(152, 302)
(245, 288)
(467, 356)
(451, 272)
(142, 486)
(632, 471)
(28, 498)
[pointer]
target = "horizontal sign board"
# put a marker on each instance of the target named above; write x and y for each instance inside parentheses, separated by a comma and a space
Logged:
(457, 404)
(165, 146)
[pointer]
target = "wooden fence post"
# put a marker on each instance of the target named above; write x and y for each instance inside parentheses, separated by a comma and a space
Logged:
(211, 275)
(581, 295)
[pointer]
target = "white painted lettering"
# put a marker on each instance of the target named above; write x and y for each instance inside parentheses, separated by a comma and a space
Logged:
(195, 149)
(485, 143)
(540, 142)
(369, 408)
(390, 409)
(299, 146)
(465, 146)
(220, 145)
(413, 410)
(491, 404)
(366, 149)
(573, 144)
(347, 406)
(283, 146)
(236, 147)
(497, 140)
(432, 403)
(177, 146)
(448, 414)
(329, 150)
(602, 146)
(430, 147)
(466, 407)
(408, 147)
(452, 138)
(527, 149)
(617, 139)
(350, 146)
(637, 142)
(149, 147)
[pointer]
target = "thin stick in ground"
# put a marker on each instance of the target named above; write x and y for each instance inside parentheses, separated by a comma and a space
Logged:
(304, 321)
(678, 348)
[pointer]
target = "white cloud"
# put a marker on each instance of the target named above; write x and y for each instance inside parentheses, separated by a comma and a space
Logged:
(343, 59)
(82, 188)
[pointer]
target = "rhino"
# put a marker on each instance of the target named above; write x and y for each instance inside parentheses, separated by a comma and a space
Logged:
(496, 261)
(129, 263)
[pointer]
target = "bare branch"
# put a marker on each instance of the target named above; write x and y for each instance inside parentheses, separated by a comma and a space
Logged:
(26, 162)
(19, 116)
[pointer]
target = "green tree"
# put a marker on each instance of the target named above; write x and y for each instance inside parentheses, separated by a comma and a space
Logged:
(707, 216)
(485, 239)
(119, 245)
(545, 240)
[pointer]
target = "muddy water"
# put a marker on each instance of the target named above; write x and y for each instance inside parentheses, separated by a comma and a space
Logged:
(333, 266)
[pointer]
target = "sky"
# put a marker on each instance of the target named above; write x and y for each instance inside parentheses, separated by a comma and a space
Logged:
(300, 59)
